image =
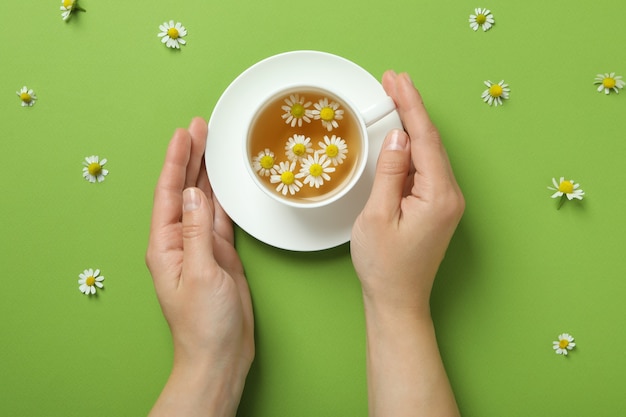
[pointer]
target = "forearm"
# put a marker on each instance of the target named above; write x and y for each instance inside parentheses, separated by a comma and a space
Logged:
(200, 390)
(406, 376)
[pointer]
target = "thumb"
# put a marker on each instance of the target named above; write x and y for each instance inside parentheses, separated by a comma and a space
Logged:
(392, 170)
(197, 230)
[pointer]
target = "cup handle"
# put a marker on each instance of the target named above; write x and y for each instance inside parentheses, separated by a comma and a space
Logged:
(377, 111)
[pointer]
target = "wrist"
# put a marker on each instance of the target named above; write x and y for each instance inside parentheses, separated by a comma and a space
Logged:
(396, 307)
(217, 383)
(201, 388)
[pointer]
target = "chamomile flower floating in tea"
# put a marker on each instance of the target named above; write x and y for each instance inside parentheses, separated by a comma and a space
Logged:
(334, 148)
(27, 96)
(94, 169)
(89, 280)
(296, 110)
(68, 7)
(495, 93)
(297, 147)
(263, 163)
(328, 113)
(315, 170)
(172, 34)
(286, 179)
(609, 82)
(564, 344)
(481, 19)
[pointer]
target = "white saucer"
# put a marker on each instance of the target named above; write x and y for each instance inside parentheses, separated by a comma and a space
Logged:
(297, 229)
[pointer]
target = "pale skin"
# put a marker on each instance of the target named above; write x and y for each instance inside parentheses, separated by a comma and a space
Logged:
(398, 242)
(200, 284)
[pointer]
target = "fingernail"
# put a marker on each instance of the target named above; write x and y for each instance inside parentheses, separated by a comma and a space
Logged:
(396, 141)
(191, 199)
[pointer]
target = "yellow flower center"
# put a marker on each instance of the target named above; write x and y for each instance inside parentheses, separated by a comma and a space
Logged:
(25, 97)
(481, 19)
(563, 343)
(327, 114)
(495, 90)
(91, 281)
(267, 162)
(287, 177)
(332, 150)
(68, 3)
(172, 33)
(299, 149)
(566, 187)
(94, 169)
(609, 82)
(297, 110)
(316, 170)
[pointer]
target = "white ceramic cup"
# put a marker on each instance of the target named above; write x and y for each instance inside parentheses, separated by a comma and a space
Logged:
(363, 118)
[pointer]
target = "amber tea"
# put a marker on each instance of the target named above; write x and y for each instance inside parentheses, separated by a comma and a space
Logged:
(305, 145)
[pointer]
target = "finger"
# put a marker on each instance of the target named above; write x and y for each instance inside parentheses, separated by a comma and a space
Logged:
(198, 132)
(428, 153)
(167, 195)
(392, 168)
(222, 224)
(389, 83)
(197, 230)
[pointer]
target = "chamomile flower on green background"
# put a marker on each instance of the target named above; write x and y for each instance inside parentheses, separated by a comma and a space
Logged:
(564, 344)
(495, 93)
(334, 148)
(567, 188)
(93, 170)
(27, 96)
(482, 18)
(89, 280)
(609, 82)
(296, 110)
(286, 178)
(68, 7)
(172, 34)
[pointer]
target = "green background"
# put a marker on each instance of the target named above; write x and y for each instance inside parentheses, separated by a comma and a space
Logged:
(518, 272)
